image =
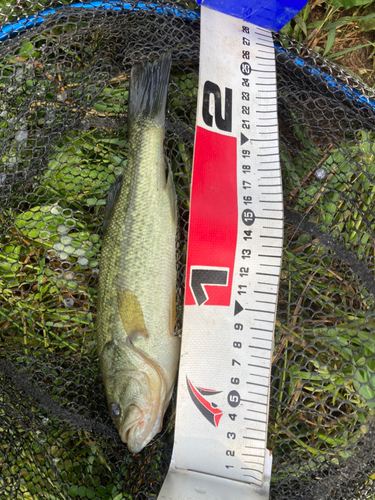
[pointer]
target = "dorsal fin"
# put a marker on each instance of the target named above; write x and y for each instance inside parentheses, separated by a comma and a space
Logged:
(113, 194)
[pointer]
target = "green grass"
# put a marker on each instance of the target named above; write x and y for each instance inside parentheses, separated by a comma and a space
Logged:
(340, 30)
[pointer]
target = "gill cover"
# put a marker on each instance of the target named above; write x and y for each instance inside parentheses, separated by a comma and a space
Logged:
(136, 393)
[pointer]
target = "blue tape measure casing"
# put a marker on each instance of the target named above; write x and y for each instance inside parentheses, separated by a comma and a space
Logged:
(268, 14)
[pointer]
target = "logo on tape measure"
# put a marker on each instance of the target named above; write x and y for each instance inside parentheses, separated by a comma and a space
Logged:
(209, 410)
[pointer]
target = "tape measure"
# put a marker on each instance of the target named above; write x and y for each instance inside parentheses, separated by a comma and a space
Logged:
(233, 268)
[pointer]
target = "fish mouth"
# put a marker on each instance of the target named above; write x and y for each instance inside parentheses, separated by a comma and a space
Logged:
(143, 418)
(139, 428)
(130, 430)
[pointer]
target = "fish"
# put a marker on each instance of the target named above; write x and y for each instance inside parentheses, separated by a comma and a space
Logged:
(137, 348)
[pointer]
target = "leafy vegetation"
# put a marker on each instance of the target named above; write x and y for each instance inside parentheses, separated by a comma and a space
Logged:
(341, 30)
(323, 368)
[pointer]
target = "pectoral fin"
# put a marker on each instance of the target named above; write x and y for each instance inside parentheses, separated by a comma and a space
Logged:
(131, 315)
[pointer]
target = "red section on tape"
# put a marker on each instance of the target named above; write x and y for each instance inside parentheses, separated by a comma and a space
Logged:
(213, 217)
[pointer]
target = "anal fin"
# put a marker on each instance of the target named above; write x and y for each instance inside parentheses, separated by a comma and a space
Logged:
(172, 312)
(171, 190)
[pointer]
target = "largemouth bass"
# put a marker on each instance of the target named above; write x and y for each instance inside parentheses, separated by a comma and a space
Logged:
(137, 349)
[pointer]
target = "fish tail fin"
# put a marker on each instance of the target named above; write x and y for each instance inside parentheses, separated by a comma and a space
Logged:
(148, 90)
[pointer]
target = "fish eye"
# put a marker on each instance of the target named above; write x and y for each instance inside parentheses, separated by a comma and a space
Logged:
(114, 410)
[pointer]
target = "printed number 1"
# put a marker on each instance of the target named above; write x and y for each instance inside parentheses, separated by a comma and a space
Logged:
(201, 276)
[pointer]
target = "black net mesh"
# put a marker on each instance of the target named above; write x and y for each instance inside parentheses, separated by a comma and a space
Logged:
(63, 110)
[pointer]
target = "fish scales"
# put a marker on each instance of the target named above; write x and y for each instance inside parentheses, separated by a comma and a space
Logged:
(133, 242)
(137, 349)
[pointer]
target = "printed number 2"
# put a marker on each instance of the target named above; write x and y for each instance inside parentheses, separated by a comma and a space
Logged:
(225, 124)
